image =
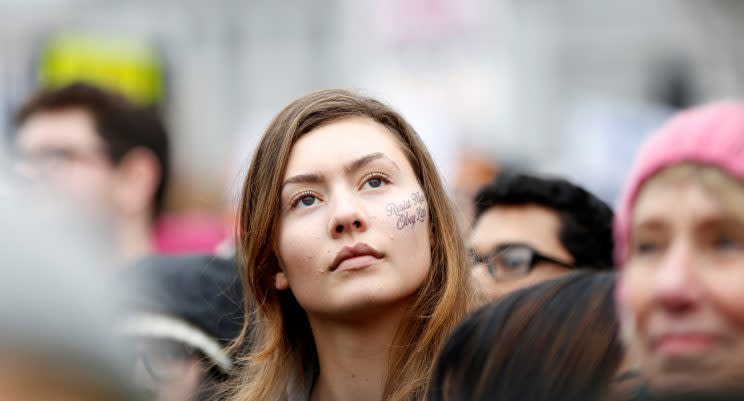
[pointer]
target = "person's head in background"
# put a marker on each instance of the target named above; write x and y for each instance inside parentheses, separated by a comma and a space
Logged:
(56, 337)
(557, 340)
(182, 312)
(102, 154)
(679, 236)
(528, 229)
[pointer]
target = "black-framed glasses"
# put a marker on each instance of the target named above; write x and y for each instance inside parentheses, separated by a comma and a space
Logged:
(514, 260)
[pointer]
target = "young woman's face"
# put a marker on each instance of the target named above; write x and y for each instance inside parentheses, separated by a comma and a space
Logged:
(354, 227)
(682, 290)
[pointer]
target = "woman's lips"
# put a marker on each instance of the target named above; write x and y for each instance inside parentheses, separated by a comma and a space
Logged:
(355, 257)
(357, 263)
(683, 344)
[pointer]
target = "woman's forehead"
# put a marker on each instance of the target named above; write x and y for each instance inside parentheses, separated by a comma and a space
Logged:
(337, 144)
(686, 199)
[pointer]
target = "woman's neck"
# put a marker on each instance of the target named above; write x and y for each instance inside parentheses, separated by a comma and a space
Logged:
(353, 356)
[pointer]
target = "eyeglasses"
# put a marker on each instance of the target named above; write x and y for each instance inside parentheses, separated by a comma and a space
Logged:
(514, 260)
(51, 158)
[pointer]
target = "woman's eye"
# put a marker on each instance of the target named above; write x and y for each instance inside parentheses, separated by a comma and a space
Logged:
(375, 182)
(305, 201)
(647, 248)
(726, 243)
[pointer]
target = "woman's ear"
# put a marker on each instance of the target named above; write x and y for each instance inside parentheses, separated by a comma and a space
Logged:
(280, 281)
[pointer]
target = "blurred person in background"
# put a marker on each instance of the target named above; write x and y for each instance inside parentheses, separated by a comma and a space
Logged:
(679, 234)
(100, 153)
(56, 319)
(528, 229)
(351, 250)
(558, 340)
(474, 171)
(181, 314)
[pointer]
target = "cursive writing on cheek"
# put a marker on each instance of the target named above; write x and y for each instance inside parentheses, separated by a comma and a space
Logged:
(417, 199)
(397, 208)
(408, 212)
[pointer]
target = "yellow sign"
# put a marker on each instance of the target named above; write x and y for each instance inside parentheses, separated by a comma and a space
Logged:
(127, 66)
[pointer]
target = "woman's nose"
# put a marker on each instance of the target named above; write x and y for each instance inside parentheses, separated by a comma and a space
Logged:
(348, 216)
(677, 286)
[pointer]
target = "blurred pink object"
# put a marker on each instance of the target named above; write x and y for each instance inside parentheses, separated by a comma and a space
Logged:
(190, 233)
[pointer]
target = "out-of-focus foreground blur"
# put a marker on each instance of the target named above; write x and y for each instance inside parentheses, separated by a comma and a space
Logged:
(56, 307)
(567, 87)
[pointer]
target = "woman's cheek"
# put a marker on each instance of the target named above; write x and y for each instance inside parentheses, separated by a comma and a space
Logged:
(633, 294)
(407, 212)
(726, 293)
(298, 248)
(406, 223)
(624, 315)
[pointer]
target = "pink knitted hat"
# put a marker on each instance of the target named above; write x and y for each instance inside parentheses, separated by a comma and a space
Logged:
(712, 134)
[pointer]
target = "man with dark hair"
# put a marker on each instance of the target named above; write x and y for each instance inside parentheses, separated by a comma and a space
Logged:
(100, 152)
(528, 229)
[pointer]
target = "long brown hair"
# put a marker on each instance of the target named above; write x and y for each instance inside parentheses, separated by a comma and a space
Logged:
(280, 337)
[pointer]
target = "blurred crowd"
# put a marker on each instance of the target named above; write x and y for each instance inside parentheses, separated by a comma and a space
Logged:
(358, 263)
(353, 275)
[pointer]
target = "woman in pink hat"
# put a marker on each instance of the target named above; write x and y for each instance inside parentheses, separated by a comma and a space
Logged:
(679, 237)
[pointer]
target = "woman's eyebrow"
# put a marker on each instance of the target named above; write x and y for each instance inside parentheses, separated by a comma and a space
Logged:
(653, 224)
(357, 164)
(312, 178)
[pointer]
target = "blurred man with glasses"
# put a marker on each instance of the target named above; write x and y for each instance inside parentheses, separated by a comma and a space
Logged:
(98, 153)
(529, 229)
